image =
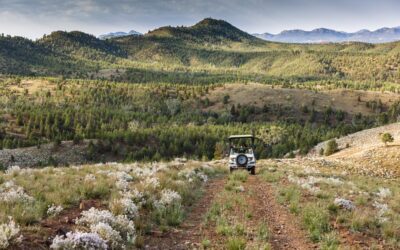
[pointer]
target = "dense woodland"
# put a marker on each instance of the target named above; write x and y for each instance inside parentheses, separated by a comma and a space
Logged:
(145, 97)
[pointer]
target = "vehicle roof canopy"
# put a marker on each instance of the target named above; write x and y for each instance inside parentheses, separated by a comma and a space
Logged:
(240, 137)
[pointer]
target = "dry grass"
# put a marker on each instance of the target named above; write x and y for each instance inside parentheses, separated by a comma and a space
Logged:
(159, 191)
(32, 86)
(310, 193)
(260, 94)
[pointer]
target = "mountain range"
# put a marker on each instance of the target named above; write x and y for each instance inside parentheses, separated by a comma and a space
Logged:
(119, 34)
(323, 35)
(208, 51)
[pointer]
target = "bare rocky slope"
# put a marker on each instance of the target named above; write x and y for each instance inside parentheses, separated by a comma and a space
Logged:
(48, 154)
(365, 153)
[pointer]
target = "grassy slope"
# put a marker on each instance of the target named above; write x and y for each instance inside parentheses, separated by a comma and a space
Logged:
(308, 189)
(349, 101)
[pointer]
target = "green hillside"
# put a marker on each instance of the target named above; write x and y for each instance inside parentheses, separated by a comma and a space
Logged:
(81, 45)
(206, 50)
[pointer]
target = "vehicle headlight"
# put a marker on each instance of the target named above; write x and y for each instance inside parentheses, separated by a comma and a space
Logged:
(251, 158)
(232, 158)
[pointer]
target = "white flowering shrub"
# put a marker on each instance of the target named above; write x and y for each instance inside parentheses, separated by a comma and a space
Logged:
(126, 228)
(9, 234)
(135, 195)
(384, 193)
(332, 181)
(202, 177)
(310, 182)
(168, 209)
(168, 198)
(107, 233)
(143, 172)
(54, 210)
(121, 175)
(151, 183)
(90, 178)
(79, 240)
(382, 210)
(304, 183)
(125, 206)
(187, 174)
(11, 193)
(122, 184)
(192, 174)
(13, 170)
(94, 216)
(120, 223)
(343, 203)
(104, 172)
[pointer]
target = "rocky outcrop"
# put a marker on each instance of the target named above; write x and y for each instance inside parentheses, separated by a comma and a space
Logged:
(48, 154)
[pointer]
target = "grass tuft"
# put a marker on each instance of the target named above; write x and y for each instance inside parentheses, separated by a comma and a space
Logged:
(235, 243)
(316, 220)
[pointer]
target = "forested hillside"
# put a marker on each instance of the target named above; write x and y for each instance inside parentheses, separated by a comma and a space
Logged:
(162, 121)
(209, 49)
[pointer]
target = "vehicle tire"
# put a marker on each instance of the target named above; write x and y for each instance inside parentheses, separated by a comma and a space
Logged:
(231, 170)
(253, 171)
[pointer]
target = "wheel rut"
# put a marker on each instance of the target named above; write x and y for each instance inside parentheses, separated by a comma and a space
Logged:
(285, 232)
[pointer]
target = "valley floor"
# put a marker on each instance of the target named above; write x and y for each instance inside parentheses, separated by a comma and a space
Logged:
(289, 204)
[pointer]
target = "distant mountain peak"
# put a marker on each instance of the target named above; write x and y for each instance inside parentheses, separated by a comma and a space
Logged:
(207, 30)
(329, 35)
(212, 22)
(119, 34)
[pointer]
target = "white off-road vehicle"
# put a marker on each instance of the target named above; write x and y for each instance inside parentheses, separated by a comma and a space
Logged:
(240, 154)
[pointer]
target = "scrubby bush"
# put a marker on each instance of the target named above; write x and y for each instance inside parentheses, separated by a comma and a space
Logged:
(331, 147)
(79, 240)
(9, 234)
(386, 138)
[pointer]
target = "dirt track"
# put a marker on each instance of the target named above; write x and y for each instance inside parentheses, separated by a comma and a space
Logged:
(284, 229)
(285, 232)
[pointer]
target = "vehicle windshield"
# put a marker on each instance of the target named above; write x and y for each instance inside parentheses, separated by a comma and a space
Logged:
(241, 150)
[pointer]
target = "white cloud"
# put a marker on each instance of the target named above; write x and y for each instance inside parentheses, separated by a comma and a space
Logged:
(32, 18)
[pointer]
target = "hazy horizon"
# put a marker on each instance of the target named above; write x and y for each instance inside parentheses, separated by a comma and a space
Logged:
(33, 19)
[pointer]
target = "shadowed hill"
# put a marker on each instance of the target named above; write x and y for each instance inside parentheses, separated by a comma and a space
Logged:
(81, 45)
(21, 56)
(207, 30)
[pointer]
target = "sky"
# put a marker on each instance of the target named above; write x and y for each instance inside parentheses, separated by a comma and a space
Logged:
(34, 18)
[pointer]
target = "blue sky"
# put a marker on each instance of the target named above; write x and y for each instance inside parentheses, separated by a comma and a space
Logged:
(33, 18)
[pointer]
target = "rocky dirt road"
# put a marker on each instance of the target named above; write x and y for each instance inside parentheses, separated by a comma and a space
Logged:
(284, 231)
